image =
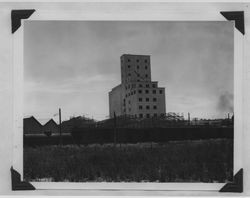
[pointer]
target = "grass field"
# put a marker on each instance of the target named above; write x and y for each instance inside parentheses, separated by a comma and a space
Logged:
(183, 161)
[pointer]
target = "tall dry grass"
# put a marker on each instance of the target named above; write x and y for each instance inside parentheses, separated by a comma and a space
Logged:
(185, 161)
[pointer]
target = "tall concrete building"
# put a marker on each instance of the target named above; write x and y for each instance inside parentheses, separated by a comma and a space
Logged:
(137, 95)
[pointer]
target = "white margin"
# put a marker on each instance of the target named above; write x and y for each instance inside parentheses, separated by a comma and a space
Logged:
(123, 14)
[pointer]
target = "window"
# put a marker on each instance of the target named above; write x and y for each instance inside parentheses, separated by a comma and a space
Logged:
(140, 85)
(161, 91)
(146, 67)
(129, 74)
(138, 80)
(126, 95)
(141, 115)
(138, 67)
(140, 106)
(137, 60)
(134, 92)
(146, 75)
(128, 66)
(155, 107)
(148, 115)
(140, 99)
(129, 109)
(138, 75)
(147, 107)
(131, 93)
(154, 85)
(139, 91)
(147, 99)
(135, 116)
(146, 61)
(154, 99)
(146, 91)
(154, 91)
(128, 60)
(147, 85)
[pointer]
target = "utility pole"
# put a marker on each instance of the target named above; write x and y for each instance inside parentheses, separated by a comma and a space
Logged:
(60, 126)
(188, 118)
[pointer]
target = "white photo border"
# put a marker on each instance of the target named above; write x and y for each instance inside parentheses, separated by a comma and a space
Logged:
(122, 14)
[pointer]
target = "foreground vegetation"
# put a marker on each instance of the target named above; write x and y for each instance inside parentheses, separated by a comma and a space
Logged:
(179, 161)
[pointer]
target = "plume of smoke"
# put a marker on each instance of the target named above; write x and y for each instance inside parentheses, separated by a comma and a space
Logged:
(226, 103)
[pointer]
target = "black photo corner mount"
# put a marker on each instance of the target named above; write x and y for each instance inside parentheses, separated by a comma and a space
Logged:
(236, 186)
(238, 17)
(17, 16)
(17, 184)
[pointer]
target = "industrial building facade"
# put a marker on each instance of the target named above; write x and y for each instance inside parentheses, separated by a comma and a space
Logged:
(137, 95)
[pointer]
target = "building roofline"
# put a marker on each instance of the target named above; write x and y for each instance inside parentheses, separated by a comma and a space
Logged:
(144, 82)
(51, 120)
(32, 117)
(116, 87)
(134, 55)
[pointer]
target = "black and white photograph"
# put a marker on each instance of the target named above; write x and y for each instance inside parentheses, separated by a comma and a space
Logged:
(128, 101)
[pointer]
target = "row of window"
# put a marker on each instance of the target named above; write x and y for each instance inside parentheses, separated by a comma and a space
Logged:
(140, 92)
(147, 107)
(138, 75)
(127, 80)
(137, 60)
(146, 115)
(147, 99)
(140, 85)
(138, 67)
(131, 93)
(140, 100)
(147, 91)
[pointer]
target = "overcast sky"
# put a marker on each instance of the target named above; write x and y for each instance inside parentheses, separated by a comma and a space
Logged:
(73, 65)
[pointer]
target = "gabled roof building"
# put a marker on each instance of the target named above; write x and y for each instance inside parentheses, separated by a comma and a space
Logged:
(51, 127)
(32, 126)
